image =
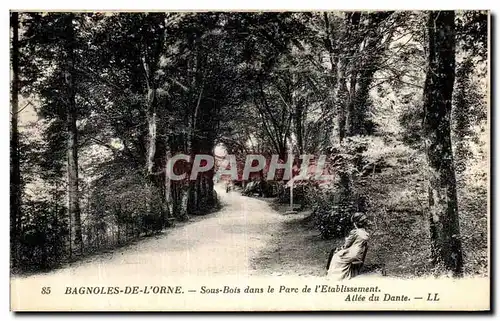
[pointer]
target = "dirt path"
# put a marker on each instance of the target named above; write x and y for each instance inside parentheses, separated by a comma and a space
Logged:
(223, 243)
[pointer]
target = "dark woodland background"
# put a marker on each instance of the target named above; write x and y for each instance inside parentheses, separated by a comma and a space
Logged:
(397, 100)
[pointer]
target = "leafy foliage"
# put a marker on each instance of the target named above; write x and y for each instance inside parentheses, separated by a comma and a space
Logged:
(45, 232)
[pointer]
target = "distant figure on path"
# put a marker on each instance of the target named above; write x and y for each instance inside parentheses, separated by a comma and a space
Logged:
(347, 262)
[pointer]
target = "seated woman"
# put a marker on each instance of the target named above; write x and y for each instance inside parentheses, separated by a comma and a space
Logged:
(347, 262)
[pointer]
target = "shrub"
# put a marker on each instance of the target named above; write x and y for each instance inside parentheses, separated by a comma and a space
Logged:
(332, 209)
(43, 235)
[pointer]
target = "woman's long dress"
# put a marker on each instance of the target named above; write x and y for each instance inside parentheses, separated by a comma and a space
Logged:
(346, 263)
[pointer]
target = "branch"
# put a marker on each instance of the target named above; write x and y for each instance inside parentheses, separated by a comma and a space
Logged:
(197, 107)
(399, 80)
(20, 110)
(267, 108)
(90, 72)
(266, 126)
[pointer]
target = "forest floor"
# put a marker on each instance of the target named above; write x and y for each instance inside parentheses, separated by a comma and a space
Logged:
(297, 248)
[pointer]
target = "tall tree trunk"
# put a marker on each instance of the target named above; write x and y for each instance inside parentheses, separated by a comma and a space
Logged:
(353, 42)
(168, 190)
(342, 95)
(191, 192)
(334, 49)
(341, 98)
(194, 147)
(358, 122)
(149, 69)
(72, 152)
(152, 45)
(298, 122)
(151, 117)
(177, 144)
(461, 112)
(444, 224)
(357, 106)
(15, 176)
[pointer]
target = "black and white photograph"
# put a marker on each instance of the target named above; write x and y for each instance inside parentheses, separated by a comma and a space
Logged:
(163, 160)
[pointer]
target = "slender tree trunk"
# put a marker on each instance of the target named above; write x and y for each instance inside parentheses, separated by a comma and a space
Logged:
(177, 144)
(15, 176)
(334, 50)
(199, 194)
(152, 48)
(443, 215)
(210, 188)
(341, 98)
(72, 152)
(191, 191)
(198, 80)
(351, 114)
(345, 97)
(461, 113)
(351, 42)
(342, 95)
(372, 54)
(151, 116)
(299, 126)
(168, 190)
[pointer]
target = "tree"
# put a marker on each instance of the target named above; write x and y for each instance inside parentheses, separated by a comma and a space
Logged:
(15, 177)
(462, 112)
(468, 104)
(375, 44)
(446, 245)
(72, 136)
(345, 51)
(53, 51)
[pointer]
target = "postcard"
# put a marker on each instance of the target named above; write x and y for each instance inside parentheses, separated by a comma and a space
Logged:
(250, 161)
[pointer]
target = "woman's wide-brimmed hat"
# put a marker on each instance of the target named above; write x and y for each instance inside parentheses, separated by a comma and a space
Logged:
(359, 217)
